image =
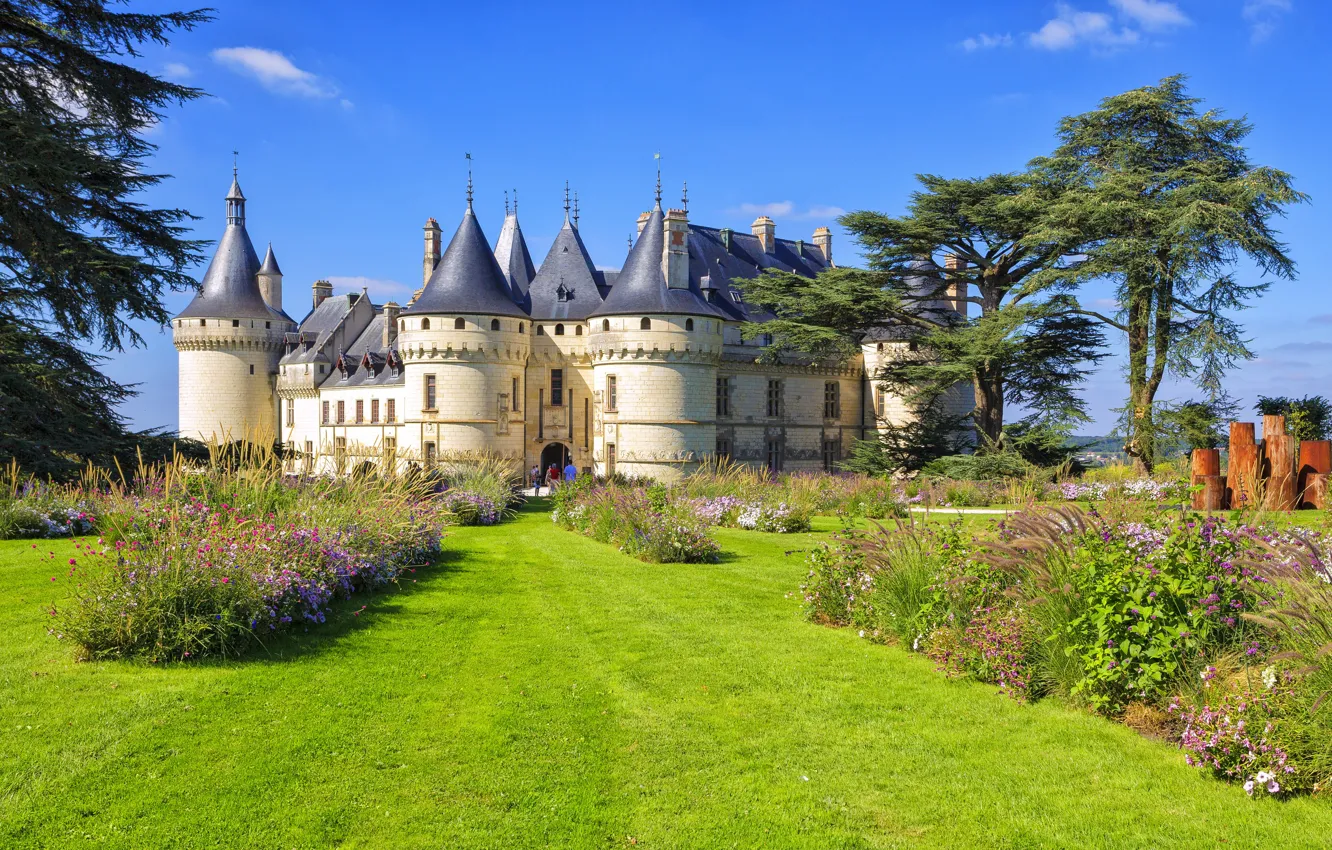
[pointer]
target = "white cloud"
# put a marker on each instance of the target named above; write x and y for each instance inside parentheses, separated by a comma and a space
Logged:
(274, 72)
(1263, 17)
(347, 104)
(178, 71)
(985, 41)
(788, 210)
(1152, 15)
(377, 287)
(1071, 27)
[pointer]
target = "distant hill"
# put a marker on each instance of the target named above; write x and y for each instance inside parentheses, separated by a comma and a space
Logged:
(1100, 445)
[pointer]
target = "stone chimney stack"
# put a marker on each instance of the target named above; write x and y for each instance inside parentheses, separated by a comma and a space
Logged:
(957, 292)
(766, 232)
(433, 249)
(642, 221)
(823, 241)
(391, 323)
(321, 289)
(675, 265)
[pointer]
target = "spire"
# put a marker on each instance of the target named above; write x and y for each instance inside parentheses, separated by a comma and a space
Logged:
(235, 198)
(270, 265)
(575, 211)
(565, 287)
(469, 182)
(642, 289)
(657, 157)
(512, 255)
(467, 279)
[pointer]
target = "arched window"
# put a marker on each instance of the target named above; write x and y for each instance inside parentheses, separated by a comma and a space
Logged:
(605, 324)
(402, 324)
(425, 324)
(646, 324)
(541, 330)
(578, 330)
(520, 328)
(494, 324)
(559, 330)
(881, 346)
(689, 324)
(459, 324)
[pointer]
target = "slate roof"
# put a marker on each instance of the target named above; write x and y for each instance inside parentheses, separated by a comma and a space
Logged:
(316, 328)
(367, 361)
(230, 287)
(270, 265)
(641, 285)
(514, 260)
(467, 279)
(566, 286)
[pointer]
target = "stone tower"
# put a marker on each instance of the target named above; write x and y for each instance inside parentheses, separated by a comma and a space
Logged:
(464, 346)
(229, 340)
(656, 344)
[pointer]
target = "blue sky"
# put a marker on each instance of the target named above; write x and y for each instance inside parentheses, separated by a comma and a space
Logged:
(352, 127)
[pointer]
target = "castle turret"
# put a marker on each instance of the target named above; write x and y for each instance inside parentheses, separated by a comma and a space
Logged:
(230, 339)
(656, 344)
(270, 280)
(464, 344)
(512, 255)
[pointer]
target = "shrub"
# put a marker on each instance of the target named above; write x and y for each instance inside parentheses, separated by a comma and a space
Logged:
(639, 521)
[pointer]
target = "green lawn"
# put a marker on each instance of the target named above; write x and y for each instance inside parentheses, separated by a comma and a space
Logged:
(540, 690)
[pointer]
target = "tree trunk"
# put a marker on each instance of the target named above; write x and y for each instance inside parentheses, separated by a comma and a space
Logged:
(989, 416)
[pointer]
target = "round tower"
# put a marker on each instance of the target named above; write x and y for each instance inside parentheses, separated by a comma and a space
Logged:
(464, 346)
(656, 344)
(229, 341)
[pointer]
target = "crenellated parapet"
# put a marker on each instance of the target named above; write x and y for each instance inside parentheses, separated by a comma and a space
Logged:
(223, 335)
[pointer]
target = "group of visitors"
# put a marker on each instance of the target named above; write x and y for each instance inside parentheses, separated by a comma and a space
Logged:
(552, 476)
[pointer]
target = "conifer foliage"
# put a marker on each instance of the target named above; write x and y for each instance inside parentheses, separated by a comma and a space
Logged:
(81, 257)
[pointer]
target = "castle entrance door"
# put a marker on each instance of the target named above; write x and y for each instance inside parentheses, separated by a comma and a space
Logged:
(556, 455)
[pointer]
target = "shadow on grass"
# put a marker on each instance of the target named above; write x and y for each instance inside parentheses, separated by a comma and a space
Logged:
(343, 618)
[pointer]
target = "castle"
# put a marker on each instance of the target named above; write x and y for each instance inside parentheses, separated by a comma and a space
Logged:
(641, 371)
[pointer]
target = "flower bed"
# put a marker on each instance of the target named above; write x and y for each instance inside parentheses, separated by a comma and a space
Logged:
(641, 522)
(1220, 633)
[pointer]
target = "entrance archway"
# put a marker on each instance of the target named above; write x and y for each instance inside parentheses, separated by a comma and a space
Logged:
(556, 455)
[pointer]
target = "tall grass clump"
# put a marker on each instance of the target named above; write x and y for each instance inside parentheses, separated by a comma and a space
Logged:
(194, 561)
(642, 522)
(481, 490)
(1216, 633)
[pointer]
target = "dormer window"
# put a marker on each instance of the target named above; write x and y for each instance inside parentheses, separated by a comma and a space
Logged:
(563, 293)
(735, 296)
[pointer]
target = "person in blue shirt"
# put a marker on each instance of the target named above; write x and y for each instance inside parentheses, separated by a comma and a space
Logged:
(570, 472)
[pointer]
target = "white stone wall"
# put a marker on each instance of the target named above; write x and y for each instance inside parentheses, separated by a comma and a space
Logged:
(227, 380)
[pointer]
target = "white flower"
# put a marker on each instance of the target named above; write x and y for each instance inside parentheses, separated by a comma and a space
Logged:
(862, 632)
(1248, 787)
(1273, 787)
(1270, 677)
(1263, 777)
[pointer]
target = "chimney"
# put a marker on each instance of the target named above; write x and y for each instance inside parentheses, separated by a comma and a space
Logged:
(675, 265)
(725, 234)
(957, 290)
(642, 221)
(390, 323)
(321, 289)
(766, 232)
(432, 249)
(823, 241)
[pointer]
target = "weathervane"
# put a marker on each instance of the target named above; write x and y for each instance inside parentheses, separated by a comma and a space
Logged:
(684, 198)
(575, 210)
(235, 155)
(657, 157)
(469, 180)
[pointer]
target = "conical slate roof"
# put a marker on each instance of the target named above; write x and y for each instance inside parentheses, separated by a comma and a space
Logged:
(270, 265)
(641, 287)
(467, 278)
(565, 287)
(514, 260)
(230, 288)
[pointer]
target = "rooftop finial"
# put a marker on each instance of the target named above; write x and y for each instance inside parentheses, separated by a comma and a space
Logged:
(566, 200)
(575, 210)
(515, 202)
(684, 198)
(657, 157)
(235, 158)
(506, 202)
(469, 182)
